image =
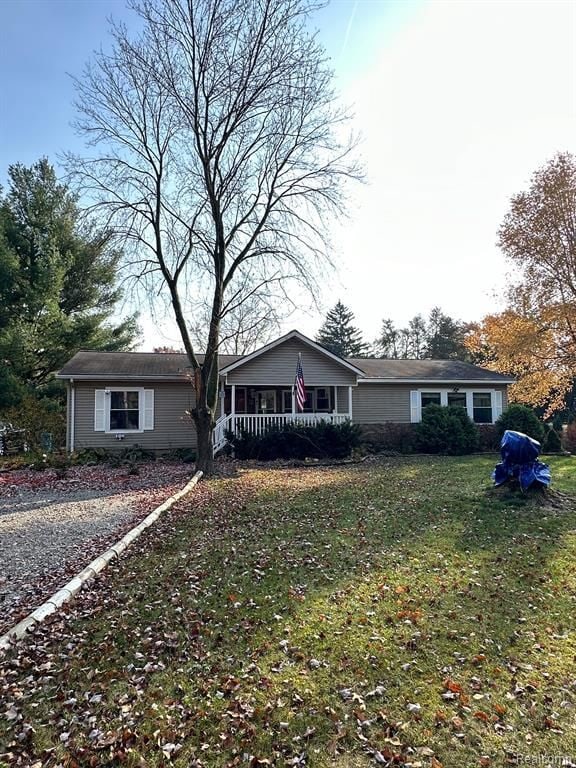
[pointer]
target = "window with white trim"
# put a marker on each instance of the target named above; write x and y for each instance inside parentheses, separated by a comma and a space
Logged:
(119, 410)
(457, 399)
(430, 398)
(482, 406)
(124, 410)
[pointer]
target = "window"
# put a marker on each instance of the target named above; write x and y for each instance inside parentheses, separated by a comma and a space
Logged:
(457, 399)
(482, 407)
(240, 400)
(124, 410)
(323, 399)
(286, 401)
(119, 410)
(431, 398)
(266, 401)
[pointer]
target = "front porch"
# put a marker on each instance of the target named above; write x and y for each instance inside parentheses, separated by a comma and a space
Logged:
(259, 409)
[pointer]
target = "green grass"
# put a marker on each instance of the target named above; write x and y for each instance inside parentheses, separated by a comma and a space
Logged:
(321, 615)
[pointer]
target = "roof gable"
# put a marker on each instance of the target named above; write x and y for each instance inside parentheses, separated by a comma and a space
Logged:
(170, 366)
(349, 365)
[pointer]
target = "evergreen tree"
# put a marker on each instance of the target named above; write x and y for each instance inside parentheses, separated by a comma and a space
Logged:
(440, 337)
(445, 337)
(58, 287)
(388, 344)
(339, 335)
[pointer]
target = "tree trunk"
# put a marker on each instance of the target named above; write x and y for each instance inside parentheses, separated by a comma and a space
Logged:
(203, 422)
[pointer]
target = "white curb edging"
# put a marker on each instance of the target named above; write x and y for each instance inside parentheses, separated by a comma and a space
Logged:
(57, 600)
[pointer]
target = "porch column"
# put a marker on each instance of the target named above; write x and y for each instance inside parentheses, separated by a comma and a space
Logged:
(350, 403)
(335, 399)
(233, 408)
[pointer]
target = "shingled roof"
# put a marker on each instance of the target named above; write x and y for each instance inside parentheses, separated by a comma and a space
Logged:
(169, 366)
(132, 365)
(426, 370)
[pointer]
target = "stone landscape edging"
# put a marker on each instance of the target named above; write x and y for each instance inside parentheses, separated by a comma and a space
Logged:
(57, 600)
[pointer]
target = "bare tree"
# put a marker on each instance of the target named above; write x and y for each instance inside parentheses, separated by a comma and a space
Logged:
(251, 324)
(218, 151)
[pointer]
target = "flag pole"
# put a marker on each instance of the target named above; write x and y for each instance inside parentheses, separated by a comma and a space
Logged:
(294, 390)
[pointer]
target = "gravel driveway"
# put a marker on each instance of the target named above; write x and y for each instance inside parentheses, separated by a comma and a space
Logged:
(51, 528)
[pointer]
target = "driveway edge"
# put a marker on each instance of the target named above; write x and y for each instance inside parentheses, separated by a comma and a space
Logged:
(57, 600)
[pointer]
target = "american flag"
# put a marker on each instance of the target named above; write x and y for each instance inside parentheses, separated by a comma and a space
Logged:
(299, 388)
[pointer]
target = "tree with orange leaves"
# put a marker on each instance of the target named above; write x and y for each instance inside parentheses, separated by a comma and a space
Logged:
(534, 339)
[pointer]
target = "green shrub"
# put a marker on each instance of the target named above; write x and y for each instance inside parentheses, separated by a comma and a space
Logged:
(130, 455)
(187, 455)
(446, 430)
(520, 418)
(552, 440)
(60, 462)
(293, 441)
(38, 416)
(90, 456)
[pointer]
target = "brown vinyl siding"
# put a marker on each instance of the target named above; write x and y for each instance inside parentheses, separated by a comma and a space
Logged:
(277, 368)
(172, 427)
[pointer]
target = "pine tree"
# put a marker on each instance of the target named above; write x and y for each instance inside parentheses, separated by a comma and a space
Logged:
(339, 335)
(439, 338)
(58, 286)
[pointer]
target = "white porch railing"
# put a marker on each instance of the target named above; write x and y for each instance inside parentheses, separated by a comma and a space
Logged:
(259, 423)
(219, 433)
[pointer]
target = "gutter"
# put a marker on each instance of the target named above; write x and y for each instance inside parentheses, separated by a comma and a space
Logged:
(120, 377)
(72, 414)
(455, 382)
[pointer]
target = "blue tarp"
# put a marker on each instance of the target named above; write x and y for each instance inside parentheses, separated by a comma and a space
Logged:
(519, 460)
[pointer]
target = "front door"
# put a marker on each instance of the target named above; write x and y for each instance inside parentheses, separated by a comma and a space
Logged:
(266, 401)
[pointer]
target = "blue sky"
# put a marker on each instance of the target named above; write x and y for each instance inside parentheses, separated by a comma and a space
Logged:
(43, 42)
(458, 103)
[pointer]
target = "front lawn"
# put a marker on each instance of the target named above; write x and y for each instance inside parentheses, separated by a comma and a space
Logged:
(392, 613)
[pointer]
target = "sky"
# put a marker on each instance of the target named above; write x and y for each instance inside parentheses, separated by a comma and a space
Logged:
(457, 103)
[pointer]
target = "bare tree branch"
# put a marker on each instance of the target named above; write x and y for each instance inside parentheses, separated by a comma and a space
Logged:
(217, 150)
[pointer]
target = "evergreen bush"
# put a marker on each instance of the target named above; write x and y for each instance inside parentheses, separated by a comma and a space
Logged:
(292, 441)
(552, 440)
(520, 418)
(446, 430)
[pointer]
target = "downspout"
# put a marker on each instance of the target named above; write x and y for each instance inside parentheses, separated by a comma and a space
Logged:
(72, 413)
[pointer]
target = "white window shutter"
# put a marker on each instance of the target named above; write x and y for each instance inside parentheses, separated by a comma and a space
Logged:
(148, 410)
(99, 410)
(415, 409)
(496, 405)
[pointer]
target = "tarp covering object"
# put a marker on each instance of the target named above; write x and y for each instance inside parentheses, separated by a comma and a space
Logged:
(519, 461)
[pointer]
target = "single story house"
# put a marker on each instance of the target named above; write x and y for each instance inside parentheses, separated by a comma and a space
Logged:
(144, 398)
